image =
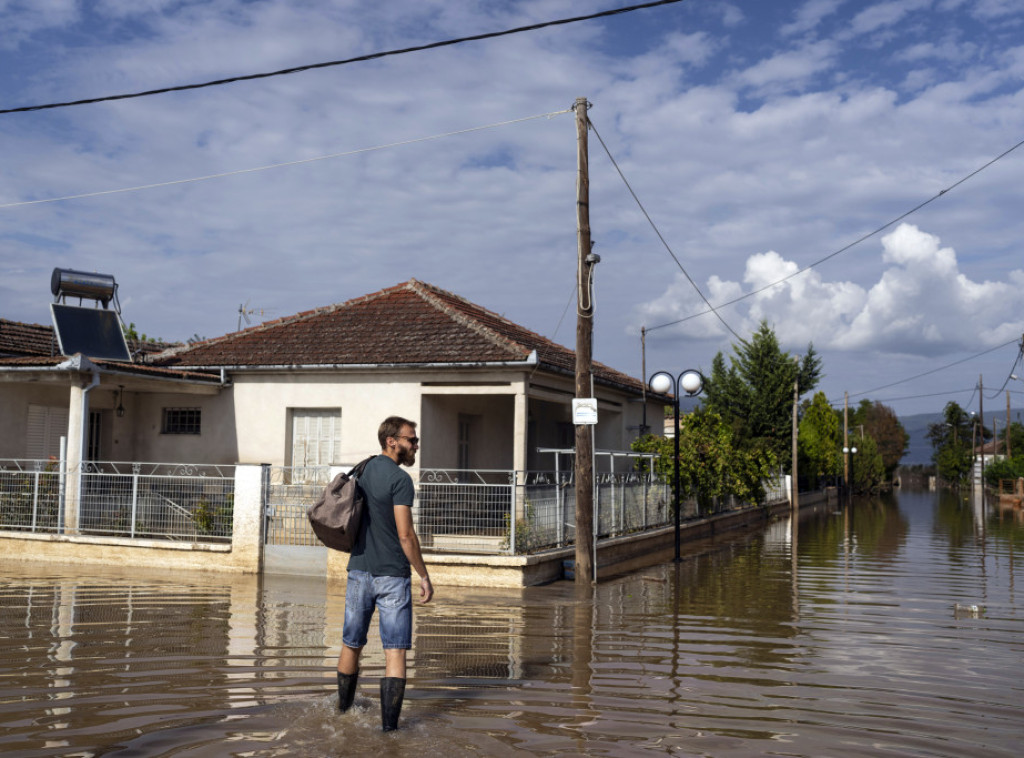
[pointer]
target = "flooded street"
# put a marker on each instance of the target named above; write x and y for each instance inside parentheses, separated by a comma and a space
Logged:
(894, 628)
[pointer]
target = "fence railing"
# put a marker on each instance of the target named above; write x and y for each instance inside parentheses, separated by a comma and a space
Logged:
(30, 495)
(472, 511)
(290, 491)
(172, 501)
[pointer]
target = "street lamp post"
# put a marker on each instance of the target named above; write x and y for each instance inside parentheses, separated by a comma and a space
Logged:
(850, 452)
(691, 383)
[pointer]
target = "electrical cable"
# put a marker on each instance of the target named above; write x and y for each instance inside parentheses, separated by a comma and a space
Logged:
(357, 59)
(934, 370)
(659, 234)
(572, 294)
(838, 404)
(1010, 375)
(856, 242)
(281, 165)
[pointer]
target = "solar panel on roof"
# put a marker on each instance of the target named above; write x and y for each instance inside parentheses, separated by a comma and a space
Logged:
(93, 332)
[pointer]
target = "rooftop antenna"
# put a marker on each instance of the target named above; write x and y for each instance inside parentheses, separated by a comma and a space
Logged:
(244, 311)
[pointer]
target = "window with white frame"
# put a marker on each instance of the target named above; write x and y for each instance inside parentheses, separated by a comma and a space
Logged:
(316, 436)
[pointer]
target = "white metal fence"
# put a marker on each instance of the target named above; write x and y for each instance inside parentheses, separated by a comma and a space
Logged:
(176, 501)
(173, 501)
(290, 491)
(30, 495)
(472, 511)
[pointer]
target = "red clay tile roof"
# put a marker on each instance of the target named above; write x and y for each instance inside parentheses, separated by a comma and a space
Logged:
(17, 338)
(412, 323)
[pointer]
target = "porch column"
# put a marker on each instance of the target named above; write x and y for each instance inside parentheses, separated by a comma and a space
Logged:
(78, 415)
(521, 421)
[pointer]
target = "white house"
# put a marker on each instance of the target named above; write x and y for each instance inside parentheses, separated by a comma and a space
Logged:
(310, 389)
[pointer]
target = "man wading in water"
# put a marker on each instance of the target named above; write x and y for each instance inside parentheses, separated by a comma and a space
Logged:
(378, 570)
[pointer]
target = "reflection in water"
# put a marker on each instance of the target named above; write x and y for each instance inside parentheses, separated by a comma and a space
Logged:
(844, 634)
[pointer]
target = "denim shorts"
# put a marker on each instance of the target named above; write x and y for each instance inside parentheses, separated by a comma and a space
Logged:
(391, 596)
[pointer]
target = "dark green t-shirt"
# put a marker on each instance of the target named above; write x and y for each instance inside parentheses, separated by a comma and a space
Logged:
(378, 551)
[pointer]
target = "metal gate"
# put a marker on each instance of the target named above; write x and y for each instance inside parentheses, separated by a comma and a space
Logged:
(290, 546)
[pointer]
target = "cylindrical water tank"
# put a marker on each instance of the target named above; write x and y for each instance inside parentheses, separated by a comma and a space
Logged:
(65, 282)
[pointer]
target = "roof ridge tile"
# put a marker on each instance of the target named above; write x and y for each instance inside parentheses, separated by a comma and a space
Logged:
(432, 294)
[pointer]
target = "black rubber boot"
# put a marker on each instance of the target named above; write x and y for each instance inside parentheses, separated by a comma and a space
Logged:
(392, 692)
(346, 690)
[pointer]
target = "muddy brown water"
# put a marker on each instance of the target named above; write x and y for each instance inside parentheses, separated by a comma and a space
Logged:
(894, 628)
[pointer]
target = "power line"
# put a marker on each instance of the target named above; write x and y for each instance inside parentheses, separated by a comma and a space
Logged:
(281, 165)
(934, 370)
(1010, 375)
(658, 232)
(839, 404)
(346, 61)
(843, 249)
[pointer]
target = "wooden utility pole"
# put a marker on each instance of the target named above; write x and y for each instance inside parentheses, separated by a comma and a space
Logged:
(584, 472)
(643, 376)
(796, 485)
(846, 440)
(1008, 454)
(981, 416)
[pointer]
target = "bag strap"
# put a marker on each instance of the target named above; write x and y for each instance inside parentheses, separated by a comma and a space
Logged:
(357, 470)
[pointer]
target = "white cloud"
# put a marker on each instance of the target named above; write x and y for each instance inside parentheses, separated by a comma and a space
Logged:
(921, 305)
(790, 67)
(741, 131)
(809, 15)
(994, 9)
(23, 18)
(885, 14)
(944, 50)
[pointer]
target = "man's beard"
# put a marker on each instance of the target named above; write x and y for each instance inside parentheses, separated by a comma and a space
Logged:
(406, 456)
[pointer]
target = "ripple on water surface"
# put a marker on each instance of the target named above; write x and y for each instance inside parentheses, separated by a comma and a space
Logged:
(894, 631)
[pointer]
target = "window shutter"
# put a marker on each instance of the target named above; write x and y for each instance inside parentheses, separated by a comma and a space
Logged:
(46, 425)
(316, 436)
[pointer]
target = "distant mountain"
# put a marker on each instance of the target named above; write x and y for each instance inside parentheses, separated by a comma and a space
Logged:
(920, 449)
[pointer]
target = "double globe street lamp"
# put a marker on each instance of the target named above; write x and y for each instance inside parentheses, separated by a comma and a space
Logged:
(849, 452)
(689, 383)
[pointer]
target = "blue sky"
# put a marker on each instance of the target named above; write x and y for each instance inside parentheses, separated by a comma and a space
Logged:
(760, 137)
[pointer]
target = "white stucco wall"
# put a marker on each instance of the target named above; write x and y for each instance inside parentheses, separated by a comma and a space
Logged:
(248, 420)
(14, 401)
(433, 399)
(262, 402)
(141, 429)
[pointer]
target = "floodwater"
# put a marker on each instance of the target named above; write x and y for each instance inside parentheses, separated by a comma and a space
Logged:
(894, 628)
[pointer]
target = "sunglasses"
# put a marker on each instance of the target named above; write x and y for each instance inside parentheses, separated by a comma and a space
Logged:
(412, 440)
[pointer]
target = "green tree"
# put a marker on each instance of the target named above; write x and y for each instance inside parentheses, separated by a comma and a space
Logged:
(1016, 438)
(867, 469)
(754, 393)
(131, 333)
(881, 423)
(1004, 468)
(820, 440)
(951, 444)
(710, 465)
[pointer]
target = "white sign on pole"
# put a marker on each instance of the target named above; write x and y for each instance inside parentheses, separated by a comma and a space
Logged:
(584, 410)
